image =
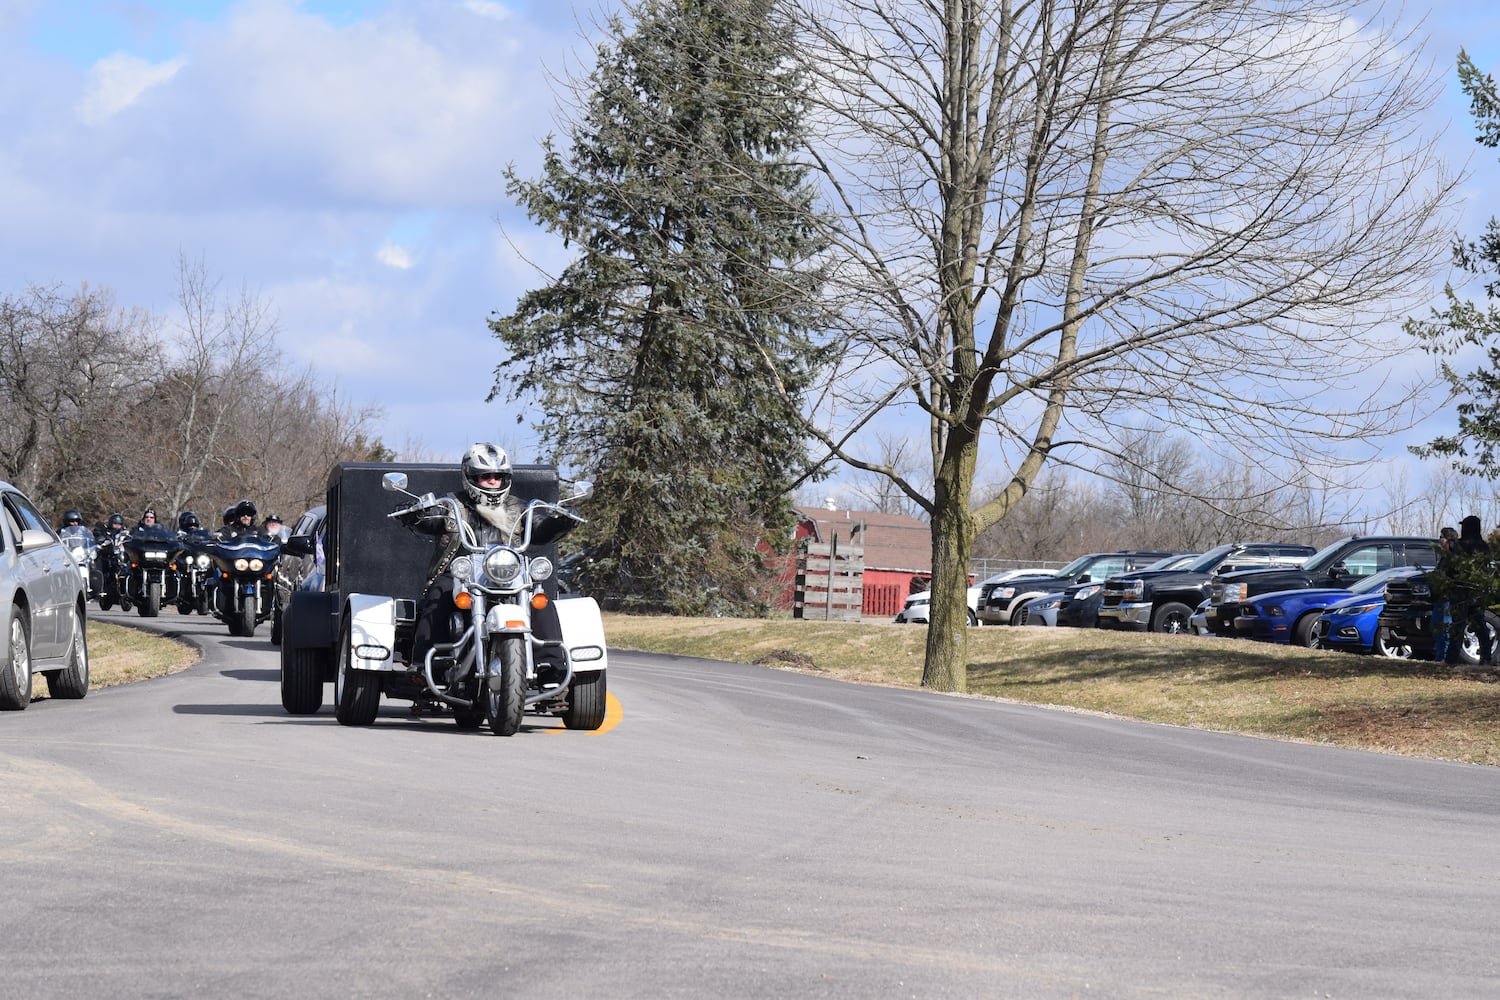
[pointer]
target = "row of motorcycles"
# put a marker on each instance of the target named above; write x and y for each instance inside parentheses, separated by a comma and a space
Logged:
(230, 577)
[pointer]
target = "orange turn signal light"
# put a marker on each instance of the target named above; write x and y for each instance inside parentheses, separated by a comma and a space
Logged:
(463, 600)
(538, 601)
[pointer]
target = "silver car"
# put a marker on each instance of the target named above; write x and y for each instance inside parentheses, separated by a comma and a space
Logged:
(42, 602)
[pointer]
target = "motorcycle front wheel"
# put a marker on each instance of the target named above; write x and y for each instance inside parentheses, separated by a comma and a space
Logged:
(505, 688)
(151, 604)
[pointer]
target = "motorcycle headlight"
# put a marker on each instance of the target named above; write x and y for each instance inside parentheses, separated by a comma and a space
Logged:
(462, 569)
(156, 554)
(256, 565)
(541, 568)
(202, 561)
(502, 566)
(240, 565)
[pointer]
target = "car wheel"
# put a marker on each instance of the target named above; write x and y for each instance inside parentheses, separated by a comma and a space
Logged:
(276, 624)
(1172, 618)
(72, 681)
(15, 663)
(1302, 630)
(1385, 646)
(973, 619)
(301, 681)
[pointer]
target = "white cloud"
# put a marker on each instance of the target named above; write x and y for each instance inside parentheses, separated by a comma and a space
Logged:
(117, 81)
(487, 8)
(397, 257)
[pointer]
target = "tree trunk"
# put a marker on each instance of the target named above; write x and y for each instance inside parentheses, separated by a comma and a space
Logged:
(947, 656)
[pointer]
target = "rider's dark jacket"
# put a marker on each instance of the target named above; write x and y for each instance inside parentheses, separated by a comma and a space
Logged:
(439, 521)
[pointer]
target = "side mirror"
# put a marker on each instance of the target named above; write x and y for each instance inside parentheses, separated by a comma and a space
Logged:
(1085, 578)
(299, 545)
(33, 538)
(394, 482)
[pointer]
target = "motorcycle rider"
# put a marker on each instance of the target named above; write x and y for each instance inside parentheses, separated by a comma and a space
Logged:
(71, 518)
(274, 527)
(187, 522)
(148, 520)
(493, 517)
(239, 520)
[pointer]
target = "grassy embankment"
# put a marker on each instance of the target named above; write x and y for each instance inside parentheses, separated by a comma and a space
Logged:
(1416, 708)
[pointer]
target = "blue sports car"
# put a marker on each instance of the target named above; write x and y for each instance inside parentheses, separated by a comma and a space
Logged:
(1290, 615)
(1353, 625)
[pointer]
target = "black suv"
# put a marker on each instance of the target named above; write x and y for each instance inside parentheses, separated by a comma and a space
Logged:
(1163, 600)
(1338, 565)
(1001, 603)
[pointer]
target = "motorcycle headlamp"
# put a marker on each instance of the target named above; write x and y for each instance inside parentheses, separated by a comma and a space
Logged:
(541, 568)
(256, 565)
(241, 565)
(502, 566)
(462, 569)
(202, 561)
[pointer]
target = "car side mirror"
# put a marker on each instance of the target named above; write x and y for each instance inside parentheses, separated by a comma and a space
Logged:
(300, 545)
(33, 538)
(1085, 578)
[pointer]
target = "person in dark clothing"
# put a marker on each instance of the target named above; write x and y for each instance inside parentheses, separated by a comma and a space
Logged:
(491, 516)
(1441, 582)
(1469, 596)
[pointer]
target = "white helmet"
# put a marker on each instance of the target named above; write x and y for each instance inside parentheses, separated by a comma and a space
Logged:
(486, 458)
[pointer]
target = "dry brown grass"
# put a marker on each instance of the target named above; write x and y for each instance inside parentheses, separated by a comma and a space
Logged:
(1416, 708)
(119, 655)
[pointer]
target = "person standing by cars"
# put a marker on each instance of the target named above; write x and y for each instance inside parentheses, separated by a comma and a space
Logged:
(1441, 583)
(1473, 584)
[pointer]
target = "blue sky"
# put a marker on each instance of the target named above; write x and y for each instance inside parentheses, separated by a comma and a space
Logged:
(344, 160)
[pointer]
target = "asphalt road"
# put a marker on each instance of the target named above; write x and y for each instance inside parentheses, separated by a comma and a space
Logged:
(735, 832)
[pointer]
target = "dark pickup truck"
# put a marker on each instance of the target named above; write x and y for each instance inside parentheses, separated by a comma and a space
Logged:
(1163, 600)
(1337, 565)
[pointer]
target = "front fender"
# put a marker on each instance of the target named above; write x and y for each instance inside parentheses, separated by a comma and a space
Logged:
(583, 633)
(372, 631)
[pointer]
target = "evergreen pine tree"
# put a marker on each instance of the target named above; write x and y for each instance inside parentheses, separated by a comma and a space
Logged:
(670, 357)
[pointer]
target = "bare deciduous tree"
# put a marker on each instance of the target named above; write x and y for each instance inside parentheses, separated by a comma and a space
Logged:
(1061, 219)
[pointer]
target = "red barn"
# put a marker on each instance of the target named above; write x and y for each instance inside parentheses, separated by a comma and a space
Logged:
(897, 554)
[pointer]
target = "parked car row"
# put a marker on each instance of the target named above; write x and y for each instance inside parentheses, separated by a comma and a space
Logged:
(1334, 598)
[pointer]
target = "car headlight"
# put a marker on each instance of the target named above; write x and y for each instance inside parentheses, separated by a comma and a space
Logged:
(1234, 592)
(502, 566)
(1362, 609)
(1086, 592)
(1005, 593)
(1274, 611)
(1132, 588)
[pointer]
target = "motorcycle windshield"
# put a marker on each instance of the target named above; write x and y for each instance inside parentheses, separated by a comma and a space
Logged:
(155, 539)
(247, 547)
(79, 540)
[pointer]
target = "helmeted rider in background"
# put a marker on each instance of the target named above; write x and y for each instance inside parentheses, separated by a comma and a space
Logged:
(493, 517)
(71, 518)
(187, 522)
(239, 520)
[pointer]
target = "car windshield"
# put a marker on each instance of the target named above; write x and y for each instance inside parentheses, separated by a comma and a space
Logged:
(1324, 557)
(1179, 561)
(1208, 560)
(1376, 582)
(1077, 566)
